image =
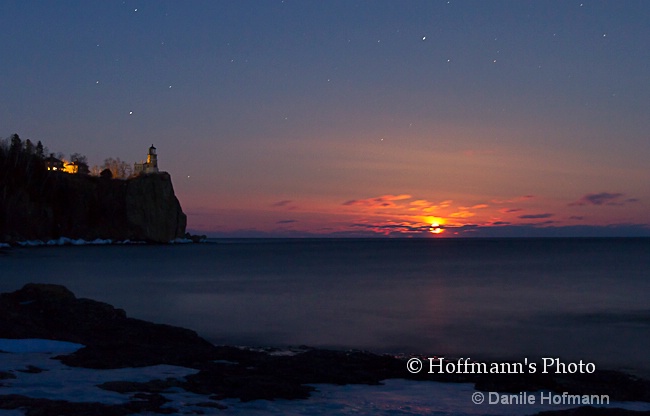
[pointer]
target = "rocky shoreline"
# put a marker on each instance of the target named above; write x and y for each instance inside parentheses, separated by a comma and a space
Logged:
(66, 241)
(113, 340)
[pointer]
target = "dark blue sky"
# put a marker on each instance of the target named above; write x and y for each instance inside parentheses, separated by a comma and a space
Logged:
(290, 117)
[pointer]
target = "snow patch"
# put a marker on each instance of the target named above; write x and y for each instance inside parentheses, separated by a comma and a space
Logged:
(181, 241)
(64, 241)
(60, 382)
(30, 345)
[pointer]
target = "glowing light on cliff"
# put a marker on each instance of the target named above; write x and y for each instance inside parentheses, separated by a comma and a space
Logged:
(70, 167)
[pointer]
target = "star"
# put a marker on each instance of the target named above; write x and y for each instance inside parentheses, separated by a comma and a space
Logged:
(130, 113)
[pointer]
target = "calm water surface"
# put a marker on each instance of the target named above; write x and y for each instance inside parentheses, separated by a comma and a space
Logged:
(509, 298)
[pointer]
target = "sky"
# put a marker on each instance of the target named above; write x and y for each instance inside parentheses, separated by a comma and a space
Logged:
(351, 118)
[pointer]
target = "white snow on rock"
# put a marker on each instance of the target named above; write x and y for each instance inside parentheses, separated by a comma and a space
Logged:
(181, 241)
(64, 241)
(37, 345)
(57, 381)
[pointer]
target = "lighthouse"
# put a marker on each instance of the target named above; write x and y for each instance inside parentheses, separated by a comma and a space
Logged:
(152, 160)
(150, 166)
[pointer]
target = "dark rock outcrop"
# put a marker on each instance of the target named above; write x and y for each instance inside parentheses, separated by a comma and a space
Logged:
(57, 204)
(112, 339)
(47, 407)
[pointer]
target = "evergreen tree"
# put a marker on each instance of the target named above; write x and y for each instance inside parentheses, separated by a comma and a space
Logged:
(40, 151)
(16, 145)
(29, 147)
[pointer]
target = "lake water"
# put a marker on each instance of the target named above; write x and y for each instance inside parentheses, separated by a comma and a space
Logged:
(574, 299)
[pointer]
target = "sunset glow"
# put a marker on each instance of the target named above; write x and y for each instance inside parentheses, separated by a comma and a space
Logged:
(352, 126)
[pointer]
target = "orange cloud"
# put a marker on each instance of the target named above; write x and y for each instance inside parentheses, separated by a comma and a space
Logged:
(479, 206)
(422, 205)
(384, 201)
(462, 214)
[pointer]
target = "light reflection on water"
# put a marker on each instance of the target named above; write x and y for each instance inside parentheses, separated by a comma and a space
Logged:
(582, 299)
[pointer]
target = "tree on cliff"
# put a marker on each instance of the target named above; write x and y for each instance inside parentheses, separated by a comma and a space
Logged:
(29, 147)
(119, 168)
(80, 163)
(22, 177)
(16, 145)
(78, 158)
(40, 150)
(19, 156)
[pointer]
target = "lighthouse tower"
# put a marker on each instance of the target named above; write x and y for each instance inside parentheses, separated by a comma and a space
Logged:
(152, 160)
(150, 166)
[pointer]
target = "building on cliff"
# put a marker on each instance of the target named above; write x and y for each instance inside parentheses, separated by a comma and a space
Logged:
(150, 166)
(52, 163)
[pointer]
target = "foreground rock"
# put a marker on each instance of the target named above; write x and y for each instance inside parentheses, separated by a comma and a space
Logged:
(47, 407)
(113, 340)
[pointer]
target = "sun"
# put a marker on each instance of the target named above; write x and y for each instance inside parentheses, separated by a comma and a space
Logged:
(435, 228)
(436, 224)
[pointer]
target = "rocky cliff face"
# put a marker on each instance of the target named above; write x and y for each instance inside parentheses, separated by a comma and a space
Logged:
(57, 205)
(152, 209)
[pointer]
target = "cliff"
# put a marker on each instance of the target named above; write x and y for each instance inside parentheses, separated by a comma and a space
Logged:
(48, 205)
